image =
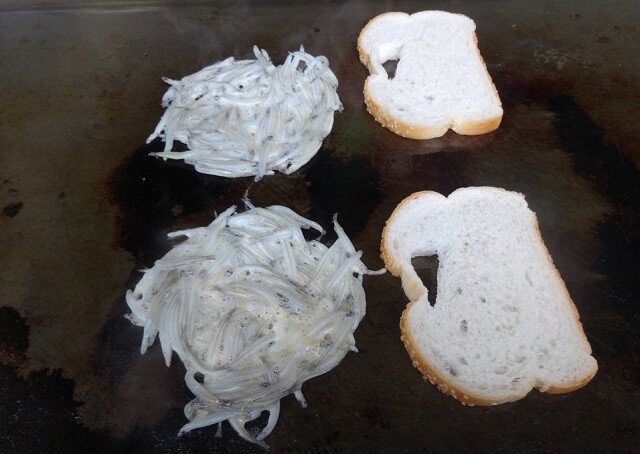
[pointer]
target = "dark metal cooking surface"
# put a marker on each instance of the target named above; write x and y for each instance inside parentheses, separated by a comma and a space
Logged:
(83, 208)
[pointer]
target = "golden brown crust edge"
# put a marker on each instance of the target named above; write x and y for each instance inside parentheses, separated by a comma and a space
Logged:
(433, 375)
(465, 396)
(476, 128)
(400, 127)
(419, 131)
(429, 371)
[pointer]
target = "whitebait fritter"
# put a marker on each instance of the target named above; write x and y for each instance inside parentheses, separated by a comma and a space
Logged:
(249, 117)
(253, 310)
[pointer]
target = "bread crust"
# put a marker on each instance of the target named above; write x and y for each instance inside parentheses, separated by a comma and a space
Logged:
(429, 371)
(390, 263)
(400, 127)
(435, 377)
(415, 130)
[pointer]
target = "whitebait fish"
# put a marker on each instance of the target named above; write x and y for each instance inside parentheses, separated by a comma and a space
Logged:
(250, 117)
(253, 310)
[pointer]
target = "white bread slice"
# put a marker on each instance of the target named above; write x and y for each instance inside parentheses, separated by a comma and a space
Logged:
(441, 81)
(503, 321)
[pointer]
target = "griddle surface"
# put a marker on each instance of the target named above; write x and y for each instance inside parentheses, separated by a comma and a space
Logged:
(83, 208)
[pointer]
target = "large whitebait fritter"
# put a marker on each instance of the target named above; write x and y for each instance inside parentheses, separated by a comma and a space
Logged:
(250, 117)
(253, 310)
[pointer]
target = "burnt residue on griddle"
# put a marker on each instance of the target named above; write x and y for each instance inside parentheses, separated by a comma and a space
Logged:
(12, 209)
(596, 159)
(14, 337)
(114, 359)
(156, 196)
(376, 417)
(43, 398)
(14, 331)
(516, 89)
(615, 177)
(152, 195)
(162, 438)
(620, 238)
(443, 171)
(348, 188)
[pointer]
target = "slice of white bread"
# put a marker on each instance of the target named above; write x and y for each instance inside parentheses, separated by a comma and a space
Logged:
(503, 321)
(441, 81)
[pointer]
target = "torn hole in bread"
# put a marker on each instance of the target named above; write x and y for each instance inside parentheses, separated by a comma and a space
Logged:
(390, 67)
(426, 268)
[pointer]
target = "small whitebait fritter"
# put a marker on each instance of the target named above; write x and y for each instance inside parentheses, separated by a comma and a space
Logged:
(253, 310)
(249, 117)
